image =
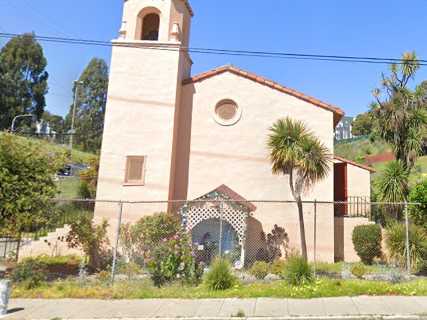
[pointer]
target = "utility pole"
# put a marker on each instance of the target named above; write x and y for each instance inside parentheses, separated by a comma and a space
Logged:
(72, 131)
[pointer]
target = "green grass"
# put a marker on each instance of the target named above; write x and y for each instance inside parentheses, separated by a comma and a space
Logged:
(419, 172)
(77, 156)
(358, 150)
(69, 188)
(337, 268)
(143, 289)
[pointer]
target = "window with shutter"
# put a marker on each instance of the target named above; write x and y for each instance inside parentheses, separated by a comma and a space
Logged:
(135, 170)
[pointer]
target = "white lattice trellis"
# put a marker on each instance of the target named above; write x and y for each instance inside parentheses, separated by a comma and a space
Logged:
(211, 207)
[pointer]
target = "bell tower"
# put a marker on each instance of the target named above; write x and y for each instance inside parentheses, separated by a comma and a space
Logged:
(147, 69)
(157, 20)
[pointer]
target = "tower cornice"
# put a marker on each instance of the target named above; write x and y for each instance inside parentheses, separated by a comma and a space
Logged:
(187, 4)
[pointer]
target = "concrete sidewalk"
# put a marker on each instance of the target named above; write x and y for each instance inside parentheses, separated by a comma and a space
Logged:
(339, 308)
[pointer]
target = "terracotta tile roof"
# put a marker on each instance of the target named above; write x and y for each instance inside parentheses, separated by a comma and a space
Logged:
(355, 164)
(188, 5)
(235, 197)
(338, 112)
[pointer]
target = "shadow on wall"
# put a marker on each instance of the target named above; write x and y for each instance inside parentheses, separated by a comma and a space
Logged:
(265, 247)
(339, 239)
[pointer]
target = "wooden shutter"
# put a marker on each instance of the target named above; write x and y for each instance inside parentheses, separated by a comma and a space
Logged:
(135, 170)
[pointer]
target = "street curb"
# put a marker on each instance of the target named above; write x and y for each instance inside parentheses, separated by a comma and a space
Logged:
(360, 317)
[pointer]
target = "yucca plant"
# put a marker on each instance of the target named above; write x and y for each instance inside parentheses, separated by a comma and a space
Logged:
(392, 186)
(396, 244)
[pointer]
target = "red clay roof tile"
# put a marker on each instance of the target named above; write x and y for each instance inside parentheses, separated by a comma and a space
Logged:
(338, 112)
(355, 163)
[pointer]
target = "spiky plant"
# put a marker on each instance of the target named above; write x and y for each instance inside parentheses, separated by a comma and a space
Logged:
(393, 187)
(297, 152)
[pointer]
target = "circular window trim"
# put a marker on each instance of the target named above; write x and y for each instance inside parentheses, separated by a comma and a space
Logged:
(233, 120)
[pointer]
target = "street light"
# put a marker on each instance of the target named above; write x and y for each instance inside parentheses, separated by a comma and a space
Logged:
(12, 128)
(72, 131)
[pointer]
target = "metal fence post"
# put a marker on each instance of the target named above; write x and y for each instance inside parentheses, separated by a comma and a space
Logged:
(315, 236)
(119, 222)
(220, 229)
(408, 254)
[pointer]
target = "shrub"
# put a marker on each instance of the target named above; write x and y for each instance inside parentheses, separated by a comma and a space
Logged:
(367, 242)
(27, 184)
(277, 267)
(104, 276)
(419, 212)
(297, 271)
(166, 249)
(89, 180)
(276, 241)
(396, 244)
(358, 270)
(170, 260)
(259, 270)
(220, 276)
(93, 240)
(84, 191)
(32, 272)
(130, 269)
(61, 266)
(138, 240)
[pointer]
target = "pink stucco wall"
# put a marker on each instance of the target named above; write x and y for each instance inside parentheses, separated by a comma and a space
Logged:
(151, 113)
(237, 155)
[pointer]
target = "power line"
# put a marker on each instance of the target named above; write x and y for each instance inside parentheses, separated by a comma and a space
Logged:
(228, 52)
(45, 20)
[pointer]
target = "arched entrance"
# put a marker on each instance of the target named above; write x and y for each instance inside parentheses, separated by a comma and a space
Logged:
(213, 236)
(217, 222)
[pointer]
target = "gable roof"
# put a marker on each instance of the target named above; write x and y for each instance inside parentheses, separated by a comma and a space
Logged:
(362, 166)
(338, 112)
(233, 195)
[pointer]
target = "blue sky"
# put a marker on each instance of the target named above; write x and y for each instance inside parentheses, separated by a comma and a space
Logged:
(362, 28)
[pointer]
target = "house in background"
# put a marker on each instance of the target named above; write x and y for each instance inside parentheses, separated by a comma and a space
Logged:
(344, 128)
(171, 135)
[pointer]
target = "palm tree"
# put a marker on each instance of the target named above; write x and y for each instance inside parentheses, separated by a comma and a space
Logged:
(296, 152)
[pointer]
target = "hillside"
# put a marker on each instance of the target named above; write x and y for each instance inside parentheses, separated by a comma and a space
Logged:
(76, 155)
(359, 150)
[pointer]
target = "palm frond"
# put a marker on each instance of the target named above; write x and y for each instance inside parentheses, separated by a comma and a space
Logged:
(393, 183)
(293, 147)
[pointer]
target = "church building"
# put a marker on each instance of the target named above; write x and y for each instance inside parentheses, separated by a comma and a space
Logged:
(170, 135)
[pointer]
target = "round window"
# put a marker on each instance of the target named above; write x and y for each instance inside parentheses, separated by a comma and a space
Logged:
(227, 112)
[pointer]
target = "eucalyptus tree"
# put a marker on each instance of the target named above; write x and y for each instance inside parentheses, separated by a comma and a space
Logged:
(23, 79)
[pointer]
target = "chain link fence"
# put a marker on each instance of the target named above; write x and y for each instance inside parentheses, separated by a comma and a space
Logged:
(122, 239)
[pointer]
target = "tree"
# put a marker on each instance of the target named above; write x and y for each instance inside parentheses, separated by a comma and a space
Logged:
(92, 238)
(27, 184)
(23, 79)
(399, 113)
(296, 152)
(90, 109)
(89, 180)
(56, 122)
(362, 124)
